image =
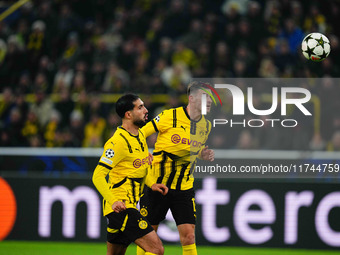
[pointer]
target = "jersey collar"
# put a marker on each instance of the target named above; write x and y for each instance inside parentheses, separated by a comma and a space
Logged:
(186, 113)
(129, 132)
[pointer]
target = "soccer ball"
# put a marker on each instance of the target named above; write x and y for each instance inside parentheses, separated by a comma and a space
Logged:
(316, 47)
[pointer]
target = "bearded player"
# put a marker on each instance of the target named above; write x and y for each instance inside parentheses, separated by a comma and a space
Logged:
(125, 161)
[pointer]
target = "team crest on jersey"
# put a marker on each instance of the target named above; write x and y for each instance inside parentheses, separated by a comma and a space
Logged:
(202, 133)
(109, 153)
(143, 224)
(144, 212)
(157, 118)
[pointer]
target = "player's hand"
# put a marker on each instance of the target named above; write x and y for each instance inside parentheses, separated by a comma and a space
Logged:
(150, 158)
(161, 188)
(118, 206)
(208, 154)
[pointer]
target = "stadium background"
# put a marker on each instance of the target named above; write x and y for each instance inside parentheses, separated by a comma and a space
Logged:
(64, 63)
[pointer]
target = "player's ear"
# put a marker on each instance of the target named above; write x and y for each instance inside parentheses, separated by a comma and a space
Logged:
(190, 98)
(128, 114)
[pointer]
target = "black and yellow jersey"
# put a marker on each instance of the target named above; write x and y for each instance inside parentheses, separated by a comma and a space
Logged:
(178, 145)
(125, 160)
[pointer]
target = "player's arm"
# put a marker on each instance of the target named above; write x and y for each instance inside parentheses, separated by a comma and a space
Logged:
(150, 128)
(157, 124)
(109, 159)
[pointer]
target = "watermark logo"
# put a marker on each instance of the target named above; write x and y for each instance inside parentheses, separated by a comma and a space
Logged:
(204, 97)
(295, 96)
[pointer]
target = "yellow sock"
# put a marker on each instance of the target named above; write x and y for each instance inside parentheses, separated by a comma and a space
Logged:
(140, 251)
(149, 253)
(189, 249)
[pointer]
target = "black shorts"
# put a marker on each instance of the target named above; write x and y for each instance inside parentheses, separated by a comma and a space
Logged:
(127, 226)
(154, 206)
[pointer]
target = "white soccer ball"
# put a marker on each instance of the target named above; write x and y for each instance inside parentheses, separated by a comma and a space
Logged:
(316, 47)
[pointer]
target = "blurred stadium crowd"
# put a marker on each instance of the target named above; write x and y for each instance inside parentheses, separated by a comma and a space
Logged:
(58, 58)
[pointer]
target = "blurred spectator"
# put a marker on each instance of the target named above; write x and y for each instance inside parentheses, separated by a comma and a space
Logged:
(79, 83)
(14, 128)
(113, 121)
(94, 131)
(315, 21)
(21, 105)
(334, 144)
(268, 69)
(176, 21)
(31, 126)
(52, 130)
(176, 77)
(64, 106)
(36, 44)
(41, 83)
(42, 107)
(292, 34)
(63, 77)
(72, 49)
(246, 141)
(116, 80)
(76, 129)
(6, 105)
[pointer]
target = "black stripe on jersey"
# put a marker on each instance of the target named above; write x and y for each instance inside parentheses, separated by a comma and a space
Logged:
(106, 166)
(181, 175)
(174, 118)
(157, 153)
(154, 126)
(162, 169)
(207, 127)
(139, 180)
(193, 165)
(141, 132)
(133, 187)
(193, 128)
(118, 184)
(172, 174)
(128, 144)
(141, 144)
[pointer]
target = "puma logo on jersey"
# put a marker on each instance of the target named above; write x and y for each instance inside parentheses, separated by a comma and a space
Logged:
(183, 128)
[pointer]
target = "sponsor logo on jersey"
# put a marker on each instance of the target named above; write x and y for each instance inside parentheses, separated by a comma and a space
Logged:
(137, 163)
(176, 139)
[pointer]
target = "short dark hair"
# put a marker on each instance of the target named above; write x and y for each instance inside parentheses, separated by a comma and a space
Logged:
(196, 85)
(125, 103)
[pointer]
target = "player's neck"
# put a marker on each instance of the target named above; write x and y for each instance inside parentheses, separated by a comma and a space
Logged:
(130, 127)
(194, 114)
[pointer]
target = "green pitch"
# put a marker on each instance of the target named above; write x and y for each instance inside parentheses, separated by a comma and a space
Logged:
(57, 248)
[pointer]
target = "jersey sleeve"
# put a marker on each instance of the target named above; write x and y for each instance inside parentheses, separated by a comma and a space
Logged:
(112, 155)
(157, 124)
(149, 128)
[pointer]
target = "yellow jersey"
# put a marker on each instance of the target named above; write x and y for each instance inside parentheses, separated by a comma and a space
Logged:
(179, 143)
(125, 160)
